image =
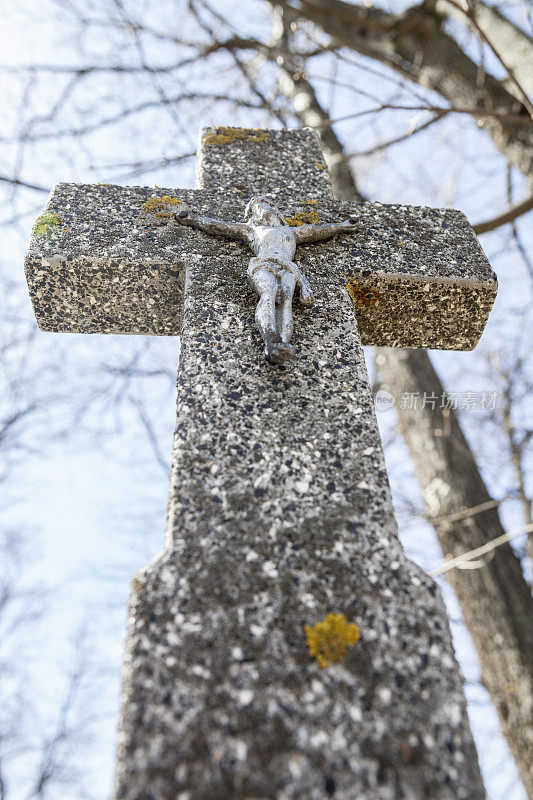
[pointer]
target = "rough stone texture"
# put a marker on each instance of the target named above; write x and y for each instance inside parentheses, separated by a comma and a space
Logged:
(417, 276)
(279, 514)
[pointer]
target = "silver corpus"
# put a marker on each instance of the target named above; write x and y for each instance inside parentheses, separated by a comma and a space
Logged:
(272, 273)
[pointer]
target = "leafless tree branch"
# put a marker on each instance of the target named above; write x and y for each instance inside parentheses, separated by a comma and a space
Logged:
(510, 215)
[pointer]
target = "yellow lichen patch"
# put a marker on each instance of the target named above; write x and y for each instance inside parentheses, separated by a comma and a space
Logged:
(328, 641)
(362, 296)
(302, 218)
(319, 165)
(47, 225)
(227, 135)
(307, 217)
(161, 206)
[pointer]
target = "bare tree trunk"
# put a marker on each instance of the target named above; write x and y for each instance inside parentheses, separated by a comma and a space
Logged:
(511, 43)
(414, 44)
(495, 600)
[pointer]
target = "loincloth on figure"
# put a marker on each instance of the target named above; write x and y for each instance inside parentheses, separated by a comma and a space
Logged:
(276, 266)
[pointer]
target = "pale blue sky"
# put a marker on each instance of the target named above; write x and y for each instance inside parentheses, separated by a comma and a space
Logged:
(92, 506)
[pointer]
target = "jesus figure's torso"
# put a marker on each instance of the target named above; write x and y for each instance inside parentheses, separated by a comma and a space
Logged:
(273, 242)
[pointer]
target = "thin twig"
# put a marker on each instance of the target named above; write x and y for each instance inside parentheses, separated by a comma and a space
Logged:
(17, 182)
(466, 512)
(473, 112)
(471, 555)
(384, 145)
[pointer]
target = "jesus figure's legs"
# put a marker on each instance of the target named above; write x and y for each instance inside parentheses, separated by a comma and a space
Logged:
(282, 350)
(284, 308)
(266, 286)
(269, 315)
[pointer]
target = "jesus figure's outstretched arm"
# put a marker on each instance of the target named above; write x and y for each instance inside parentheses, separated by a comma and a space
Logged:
(216, 227)
(316, 233)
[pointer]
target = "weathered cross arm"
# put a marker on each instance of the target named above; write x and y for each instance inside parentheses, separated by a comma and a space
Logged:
(279, 511)
(101, 260)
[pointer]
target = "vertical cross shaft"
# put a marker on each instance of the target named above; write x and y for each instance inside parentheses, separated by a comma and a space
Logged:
(280, 514)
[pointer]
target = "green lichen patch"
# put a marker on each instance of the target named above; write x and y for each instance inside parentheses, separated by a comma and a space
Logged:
(47, 226)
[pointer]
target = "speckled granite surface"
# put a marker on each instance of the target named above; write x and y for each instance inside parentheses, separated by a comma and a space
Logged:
(279, 514)
(109, 259)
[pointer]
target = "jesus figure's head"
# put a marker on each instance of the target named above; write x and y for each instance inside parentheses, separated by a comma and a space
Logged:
(262, 211)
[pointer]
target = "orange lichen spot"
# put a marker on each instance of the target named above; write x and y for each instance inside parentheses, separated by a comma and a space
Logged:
(328, 641)
(161, 206)
(319, 165)
(223, 135)
(362, 296)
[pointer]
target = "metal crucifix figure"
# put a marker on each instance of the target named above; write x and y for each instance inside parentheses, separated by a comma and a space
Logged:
(272, 272)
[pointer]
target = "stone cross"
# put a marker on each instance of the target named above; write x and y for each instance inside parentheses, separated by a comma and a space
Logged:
(281, 645)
